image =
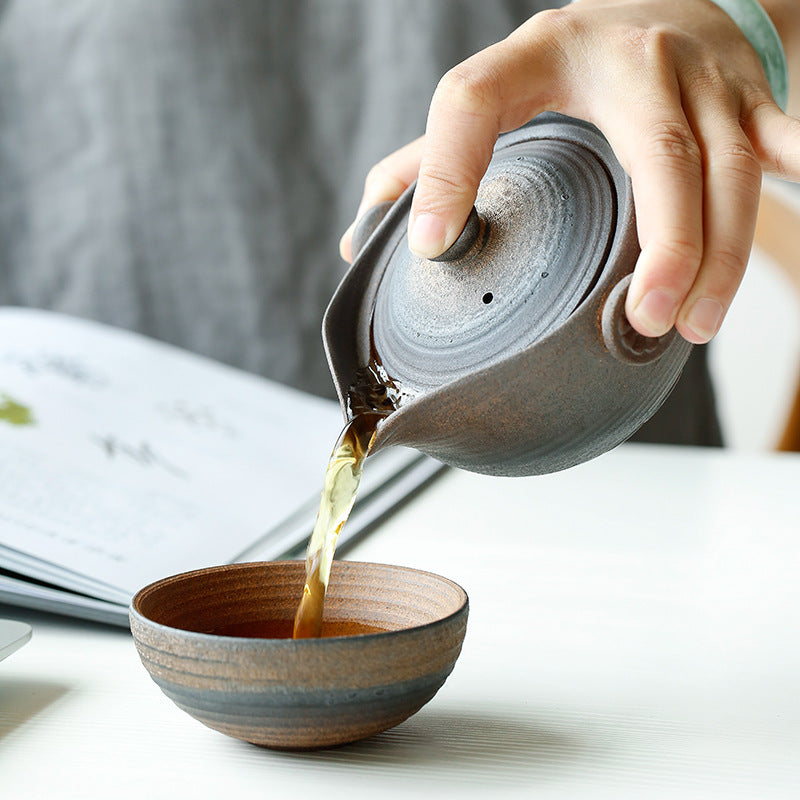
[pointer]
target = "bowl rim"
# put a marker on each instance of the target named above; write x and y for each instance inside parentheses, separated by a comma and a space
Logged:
(253, 642)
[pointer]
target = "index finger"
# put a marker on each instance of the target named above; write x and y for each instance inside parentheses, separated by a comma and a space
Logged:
(387, 180)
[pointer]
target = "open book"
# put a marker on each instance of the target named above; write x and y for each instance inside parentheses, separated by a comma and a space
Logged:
(124, 460)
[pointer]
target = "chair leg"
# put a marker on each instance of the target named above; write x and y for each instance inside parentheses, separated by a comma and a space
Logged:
(790, 438)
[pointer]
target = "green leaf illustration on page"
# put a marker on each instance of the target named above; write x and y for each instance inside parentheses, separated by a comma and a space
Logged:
(15, 413)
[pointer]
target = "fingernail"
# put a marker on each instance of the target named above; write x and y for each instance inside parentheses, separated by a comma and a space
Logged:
(704, 319)
(654, 312)
(427, 236)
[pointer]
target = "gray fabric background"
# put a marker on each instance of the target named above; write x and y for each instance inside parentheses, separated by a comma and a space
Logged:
(184, 168)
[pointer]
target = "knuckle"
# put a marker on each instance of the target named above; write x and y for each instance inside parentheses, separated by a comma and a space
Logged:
(382, 182)
(468, 88)
(647, 42)
(781, 162)
(738, 157)
(729, 264)
(673, 141)
(679, 254)
(783, 157)
(785, 160)
(553, 24)
(560, 32)
(375, 176)
(706, 81)
(439, 181)
(439, 188)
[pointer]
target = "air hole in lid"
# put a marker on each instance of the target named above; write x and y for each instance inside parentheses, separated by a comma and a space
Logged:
(488, 297)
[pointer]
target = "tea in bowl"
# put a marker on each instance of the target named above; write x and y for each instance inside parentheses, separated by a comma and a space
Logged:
(218, 643)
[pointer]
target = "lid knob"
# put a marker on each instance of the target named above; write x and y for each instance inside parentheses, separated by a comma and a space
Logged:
(476, 230)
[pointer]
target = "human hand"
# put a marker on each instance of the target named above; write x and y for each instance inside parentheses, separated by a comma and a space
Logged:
(681, 96)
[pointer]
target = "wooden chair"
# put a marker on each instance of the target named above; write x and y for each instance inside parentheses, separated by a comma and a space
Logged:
(778, 235)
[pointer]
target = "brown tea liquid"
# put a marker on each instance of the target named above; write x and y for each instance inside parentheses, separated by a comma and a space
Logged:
(370, 399)
(342, 478)
(283, 629)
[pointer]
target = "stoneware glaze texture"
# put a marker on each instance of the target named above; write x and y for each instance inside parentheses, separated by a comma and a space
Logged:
(515, 353)
(309, 693)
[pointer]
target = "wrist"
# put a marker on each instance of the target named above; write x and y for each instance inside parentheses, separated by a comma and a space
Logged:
(785, 16)
(756, 23)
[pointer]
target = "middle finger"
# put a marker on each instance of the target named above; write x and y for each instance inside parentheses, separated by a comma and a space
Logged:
(731, 188)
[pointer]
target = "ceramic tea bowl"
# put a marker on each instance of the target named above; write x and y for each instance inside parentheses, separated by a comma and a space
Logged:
(308, 693)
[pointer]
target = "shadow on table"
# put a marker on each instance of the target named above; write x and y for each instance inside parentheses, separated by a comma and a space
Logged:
(65, 623)
(471, 748)
(21, 699)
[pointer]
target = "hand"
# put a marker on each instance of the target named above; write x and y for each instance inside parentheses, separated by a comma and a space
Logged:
(681, 96)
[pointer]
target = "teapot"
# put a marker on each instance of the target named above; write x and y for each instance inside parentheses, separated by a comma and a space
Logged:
(512, 351)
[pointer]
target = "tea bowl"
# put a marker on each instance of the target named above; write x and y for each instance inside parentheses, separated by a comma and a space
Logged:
(299, 694)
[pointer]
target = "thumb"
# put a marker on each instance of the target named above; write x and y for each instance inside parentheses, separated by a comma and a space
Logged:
(495, 90)
(459, 138)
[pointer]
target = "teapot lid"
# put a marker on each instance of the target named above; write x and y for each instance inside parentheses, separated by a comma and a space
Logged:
(545, 218)
(538, 239)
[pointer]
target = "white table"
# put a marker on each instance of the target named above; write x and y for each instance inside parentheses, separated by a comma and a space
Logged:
(634, 632)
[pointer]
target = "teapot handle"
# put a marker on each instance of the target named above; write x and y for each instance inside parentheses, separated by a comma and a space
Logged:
(620, 338)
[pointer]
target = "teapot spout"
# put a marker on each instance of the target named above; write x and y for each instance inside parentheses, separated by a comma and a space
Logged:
(347, 324)
(395, 428)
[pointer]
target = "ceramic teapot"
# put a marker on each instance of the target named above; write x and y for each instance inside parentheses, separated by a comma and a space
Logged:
(512, 351)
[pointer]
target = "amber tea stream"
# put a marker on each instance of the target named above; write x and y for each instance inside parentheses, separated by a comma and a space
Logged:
(372, 397)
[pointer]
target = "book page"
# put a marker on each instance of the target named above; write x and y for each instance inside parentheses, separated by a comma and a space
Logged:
(126, 460)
